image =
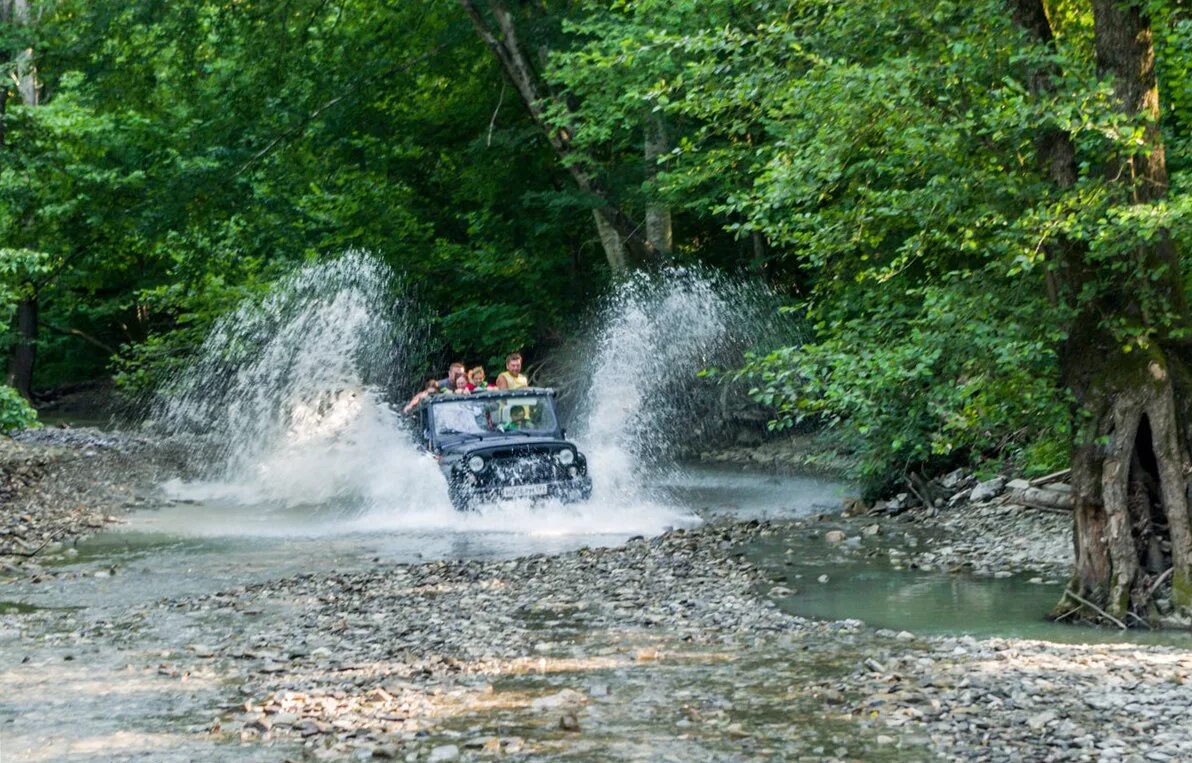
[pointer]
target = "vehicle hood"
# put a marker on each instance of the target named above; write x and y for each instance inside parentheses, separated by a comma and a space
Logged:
(490, 445)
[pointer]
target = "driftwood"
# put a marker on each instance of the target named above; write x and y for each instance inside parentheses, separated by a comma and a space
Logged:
(1052, 498)
(1096, 609)
(922, 491)
(1049, 478)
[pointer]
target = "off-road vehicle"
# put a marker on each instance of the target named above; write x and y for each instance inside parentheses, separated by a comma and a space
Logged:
(502, 445)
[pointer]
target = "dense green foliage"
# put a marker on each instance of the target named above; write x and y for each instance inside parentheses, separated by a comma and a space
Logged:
(886, 152)
(874, 161)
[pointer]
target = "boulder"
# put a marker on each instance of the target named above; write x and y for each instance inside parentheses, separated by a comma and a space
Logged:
(988, 490)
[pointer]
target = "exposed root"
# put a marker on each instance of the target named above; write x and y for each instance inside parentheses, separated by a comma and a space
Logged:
(1085, 602)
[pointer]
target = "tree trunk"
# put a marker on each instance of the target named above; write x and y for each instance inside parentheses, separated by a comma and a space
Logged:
(610, 240)
(658, 215)
(24, 352)
(1130, 449)
(503, 41)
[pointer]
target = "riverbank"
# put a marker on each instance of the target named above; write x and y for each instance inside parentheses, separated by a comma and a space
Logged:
(61, 484)
(669, 647)
(798, 452)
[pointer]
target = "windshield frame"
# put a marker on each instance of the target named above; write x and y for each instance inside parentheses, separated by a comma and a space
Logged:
(541, 401)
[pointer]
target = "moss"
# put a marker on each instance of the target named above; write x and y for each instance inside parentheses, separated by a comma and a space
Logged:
(1181, 591)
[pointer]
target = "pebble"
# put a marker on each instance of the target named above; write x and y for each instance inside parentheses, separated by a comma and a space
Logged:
(443, 753)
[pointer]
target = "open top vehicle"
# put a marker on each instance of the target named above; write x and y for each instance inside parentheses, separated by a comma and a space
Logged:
(501, 445)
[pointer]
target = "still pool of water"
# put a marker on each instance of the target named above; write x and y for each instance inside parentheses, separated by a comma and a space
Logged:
(923, 602)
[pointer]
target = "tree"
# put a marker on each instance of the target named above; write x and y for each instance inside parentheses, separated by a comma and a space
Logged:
(1126, 358)
(989, 236)
(621, 237)
(22, 66)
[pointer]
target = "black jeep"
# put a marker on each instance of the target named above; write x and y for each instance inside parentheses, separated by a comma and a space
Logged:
(502, 445)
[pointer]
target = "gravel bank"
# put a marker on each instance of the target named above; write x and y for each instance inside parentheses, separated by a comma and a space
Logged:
(987, 538)
(1010, 700)
(57, 485)
(543, 655)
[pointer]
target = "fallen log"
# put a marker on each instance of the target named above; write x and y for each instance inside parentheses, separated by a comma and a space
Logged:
(1062, 474)
(1054, 498)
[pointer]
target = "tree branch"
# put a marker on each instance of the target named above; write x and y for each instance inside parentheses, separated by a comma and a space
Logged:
(313, 115)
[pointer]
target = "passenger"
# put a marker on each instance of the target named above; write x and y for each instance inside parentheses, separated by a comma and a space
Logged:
(431, 387)
(462, 385)
(517, 420)
(478, 379)
(454, 370)
(512, 377)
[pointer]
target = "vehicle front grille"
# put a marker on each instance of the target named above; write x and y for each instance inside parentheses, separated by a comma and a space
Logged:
(524, 470)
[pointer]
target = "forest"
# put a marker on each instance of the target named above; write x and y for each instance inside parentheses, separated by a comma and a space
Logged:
(241, 234)
(979, 210)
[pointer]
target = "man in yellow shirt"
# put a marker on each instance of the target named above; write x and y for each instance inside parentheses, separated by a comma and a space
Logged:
(512, 377)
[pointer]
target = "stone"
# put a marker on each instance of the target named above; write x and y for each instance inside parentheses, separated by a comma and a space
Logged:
(835, 536)
(988, 490)
(1039, 720)
(823, 579)
(443, 753)
(959, 498)
(871, 530)
(953, 479)
(568, 722)
(564, 698)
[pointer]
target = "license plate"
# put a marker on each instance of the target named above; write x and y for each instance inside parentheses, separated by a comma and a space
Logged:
(523, 491)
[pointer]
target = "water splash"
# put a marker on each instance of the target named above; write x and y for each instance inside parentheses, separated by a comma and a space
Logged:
(644, 398)
(287, 393)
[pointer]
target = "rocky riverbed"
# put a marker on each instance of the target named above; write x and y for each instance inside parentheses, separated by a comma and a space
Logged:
(665, 648)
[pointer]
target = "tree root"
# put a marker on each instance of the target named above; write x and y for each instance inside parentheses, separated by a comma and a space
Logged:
(1095, 608)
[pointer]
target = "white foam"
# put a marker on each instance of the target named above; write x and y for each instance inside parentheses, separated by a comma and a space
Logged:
(307, 443)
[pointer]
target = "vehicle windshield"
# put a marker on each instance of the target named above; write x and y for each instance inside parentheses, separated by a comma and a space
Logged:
(530, 414)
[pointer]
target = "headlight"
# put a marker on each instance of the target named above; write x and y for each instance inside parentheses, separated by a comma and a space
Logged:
(566, 456)
(476, 464)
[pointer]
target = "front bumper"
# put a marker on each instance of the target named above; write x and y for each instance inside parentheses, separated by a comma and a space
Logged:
(568, 490)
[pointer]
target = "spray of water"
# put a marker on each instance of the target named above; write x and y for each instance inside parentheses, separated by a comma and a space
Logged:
(644, 399)
(288, 392)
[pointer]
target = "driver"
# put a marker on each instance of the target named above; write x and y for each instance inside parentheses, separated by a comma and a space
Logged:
(518, 420)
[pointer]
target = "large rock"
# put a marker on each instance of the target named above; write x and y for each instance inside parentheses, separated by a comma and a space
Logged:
(988, 490)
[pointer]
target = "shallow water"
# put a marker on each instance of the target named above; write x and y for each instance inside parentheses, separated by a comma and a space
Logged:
(188, 548)
(924, 602)
(111, 688)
